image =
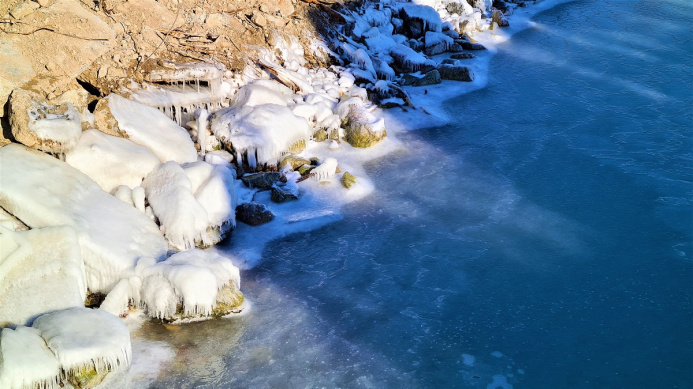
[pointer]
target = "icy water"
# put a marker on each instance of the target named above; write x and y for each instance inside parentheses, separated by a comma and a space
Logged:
(541, 240)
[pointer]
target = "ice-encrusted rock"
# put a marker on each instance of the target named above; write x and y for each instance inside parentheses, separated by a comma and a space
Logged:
(362, 129)
(430, 78)
(254, 213)
(282, 194)
(111, 161)
(151, 128)
(86, 339)
(43, 191)
(259, 134)
(293, 161)
(41, 270)
(26, 361)
(498, 18)
(38, 124)
(189, 284)
(194, 203)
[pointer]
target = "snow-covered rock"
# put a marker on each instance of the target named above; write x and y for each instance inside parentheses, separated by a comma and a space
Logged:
(202, 283)
(259, 134)
(86, 340)
(37, 124)
(194, 203)
(43, 191)
(151, 128)
(362, 129)
(41, 270)
(26, 361)
(111, 161)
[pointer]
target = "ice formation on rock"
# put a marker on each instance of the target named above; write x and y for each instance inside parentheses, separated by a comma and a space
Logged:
(83, 338)
(260, 134)
(26, 361)
(189, 284)
(41, 270)
(111, 161)
(194, 203)
(326, 170)
(43, 191)
(36, 123)
(149, 127)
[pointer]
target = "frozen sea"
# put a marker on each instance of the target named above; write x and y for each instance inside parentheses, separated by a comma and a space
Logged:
(541, 239)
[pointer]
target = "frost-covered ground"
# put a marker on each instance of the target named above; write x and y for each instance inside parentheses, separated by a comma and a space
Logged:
(160, 170)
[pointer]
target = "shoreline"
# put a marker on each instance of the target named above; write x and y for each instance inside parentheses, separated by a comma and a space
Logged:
(429, 102)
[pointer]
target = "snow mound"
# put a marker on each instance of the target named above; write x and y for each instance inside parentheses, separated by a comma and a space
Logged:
(326, 170)
(189, 284)
(43, 191)
(195, 203)
(111, 161)
(195, 277)
(262, 92)
(260, 134)
(83, 338)
(41, 270)
(149, 127)
(26, 361)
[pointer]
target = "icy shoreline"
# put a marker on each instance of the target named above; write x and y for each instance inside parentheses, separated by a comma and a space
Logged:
(179, 188)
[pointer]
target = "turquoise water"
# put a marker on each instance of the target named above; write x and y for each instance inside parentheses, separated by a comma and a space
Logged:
(541, 240)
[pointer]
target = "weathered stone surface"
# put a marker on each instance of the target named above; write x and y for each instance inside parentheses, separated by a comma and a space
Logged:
(38, 124)
(456, 48)
(362, 132)
(293, 161)
(263, 180)
(499, 19)
(456, 73)
(229, 300)
(48, 59)
(462, 56)
(348, 180)
(104, 120)
(430, 78)
(253, 213)
(306, 169)
(282, 194)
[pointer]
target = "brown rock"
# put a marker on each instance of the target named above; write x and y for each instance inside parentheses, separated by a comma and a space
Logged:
(104, 120)
(38, 124)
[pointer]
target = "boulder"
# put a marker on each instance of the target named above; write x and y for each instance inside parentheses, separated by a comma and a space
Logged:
(282, 194)
(430, 78)
(38, 124)
(348, 180)
(498, 18)
(471, 45)
(105, 122)
(294, 161)
(456, 73)
(253, 213)
(263, 180)
(362, 129)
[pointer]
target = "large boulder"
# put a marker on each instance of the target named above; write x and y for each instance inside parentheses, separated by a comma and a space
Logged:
(38, 124)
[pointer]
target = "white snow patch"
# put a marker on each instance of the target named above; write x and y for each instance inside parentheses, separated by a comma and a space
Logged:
(26, 361)
(84, 338)
(43, 191)
(111, 161)
(151, 128)
(41, 270)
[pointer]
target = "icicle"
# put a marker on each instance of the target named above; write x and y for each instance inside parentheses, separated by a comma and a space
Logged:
(202, 130)
(178, 114)
(197, 84)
